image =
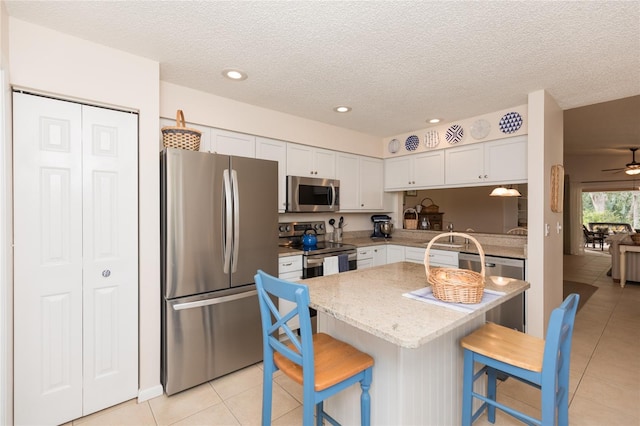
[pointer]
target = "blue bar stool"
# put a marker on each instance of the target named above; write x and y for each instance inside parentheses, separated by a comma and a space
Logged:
(537, 362)
(321, 364)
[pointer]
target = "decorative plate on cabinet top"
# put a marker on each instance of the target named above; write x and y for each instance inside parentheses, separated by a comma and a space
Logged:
(394, 146)
(431, 139)
(412, 143)
(510, 122)
(454, 134)
(480, 129)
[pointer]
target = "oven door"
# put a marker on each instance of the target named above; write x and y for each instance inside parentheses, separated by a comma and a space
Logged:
(313, 265)
(306, 194)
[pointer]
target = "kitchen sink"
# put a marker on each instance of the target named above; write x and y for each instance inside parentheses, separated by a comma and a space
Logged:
(450, 245)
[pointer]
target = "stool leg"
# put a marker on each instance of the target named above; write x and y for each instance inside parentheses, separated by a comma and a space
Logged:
(267, 391)
(319, 413)
(492, 376)
(467, 388)
(365, 398)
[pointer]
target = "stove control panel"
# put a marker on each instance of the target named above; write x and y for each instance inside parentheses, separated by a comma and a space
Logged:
(296, 229)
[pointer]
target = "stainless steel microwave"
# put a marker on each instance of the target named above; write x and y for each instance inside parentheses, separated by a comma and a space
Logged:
(307, 194)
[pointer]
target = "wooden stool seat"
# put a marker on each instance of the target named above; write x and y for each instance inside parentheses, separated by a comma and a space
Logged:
(334, 361)
(506, 345)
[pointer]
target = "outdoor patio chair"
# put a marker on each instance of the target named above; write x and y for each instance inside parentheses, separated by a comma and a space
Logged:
(592, 238)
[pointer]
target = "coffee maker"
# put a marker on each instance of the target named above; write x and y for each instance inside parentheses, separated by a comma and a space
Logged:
(381, 226)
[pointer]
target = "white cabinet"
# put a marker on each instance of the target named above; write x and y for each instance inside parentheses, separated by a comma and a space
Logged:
(270, 149)
(395, 254)
(504, 160)
(361, 180)
(443, 258)
(414, 171)
(308, 161)
(75, 259)
(232, 143)
(372, 256)
(414, 254)
(290, 269)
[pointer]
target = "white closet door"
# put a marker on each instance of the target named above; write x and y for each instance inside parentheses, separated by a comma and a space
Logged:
(48, 260)
(76, 259)
(110, 257)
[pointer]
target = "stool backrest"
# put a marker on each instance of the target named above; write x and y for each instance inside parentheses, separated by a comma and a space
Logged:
(268, 287)
(557, 349)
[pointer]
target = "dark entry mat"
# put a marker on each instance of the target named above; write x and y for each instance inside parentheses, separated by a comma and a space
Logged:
(584, 290)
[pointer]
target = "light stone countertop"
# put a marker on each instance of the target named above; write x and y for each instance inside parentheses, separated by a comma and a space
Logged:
(493, 248)
(371, 300)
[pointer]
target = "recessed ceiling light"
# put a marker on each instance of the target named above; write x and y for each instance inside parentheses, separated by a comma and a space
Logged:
(434, 120)
(342, 108)
(234, 74)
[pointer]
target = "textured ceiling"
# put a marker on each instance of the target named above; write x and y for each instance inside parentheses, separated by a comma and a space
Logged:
(396, 63)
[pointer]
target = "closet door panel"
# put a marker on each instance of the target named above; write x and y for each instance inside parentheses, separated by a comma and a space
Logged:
(48, 260)
(110, 267)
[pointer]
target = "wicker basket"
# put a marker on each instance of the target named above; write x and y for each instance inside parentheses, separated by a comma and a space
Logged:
(411, 223)
(431, 208)
(180, 136)
(455, 285)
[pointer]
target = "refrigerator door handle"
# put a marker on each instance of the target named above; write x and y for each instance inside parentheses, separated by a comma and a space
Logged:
(214, 301)
(236, 221)
(228, 221)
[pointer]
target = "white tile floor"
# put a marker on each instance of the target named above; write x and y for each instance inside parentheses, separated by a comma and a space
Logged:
(605, 373)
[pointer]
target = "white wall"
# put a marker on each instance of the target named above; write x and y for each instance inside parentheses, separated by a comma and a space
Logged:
(65, 66)
(544, 251)
(6, 229)
(215, 111)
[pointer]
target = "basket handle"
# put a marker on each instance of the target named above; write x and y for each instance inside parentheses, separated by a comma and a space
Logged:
(180, 119)
(455, 234)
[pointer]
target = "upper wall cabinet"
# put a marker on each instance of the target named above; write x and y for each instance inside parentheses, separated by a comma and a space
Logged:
(270, 149)
(503, 160)
(361, 181)
(310, 162)
(414, 171)
(231, 143)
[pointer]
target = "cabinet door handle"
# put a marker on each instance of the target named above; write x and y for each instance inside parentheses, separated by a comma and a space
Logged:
(485, 176)
(286, 264)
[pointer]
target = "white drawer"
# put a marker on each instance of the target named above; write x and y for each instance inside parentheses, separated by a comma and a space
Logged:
(365, 253)
(289, 264)
(443, 258)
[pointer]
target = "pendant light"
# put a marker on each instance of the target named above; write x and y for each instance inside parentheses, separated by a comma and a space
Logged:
(502, 191)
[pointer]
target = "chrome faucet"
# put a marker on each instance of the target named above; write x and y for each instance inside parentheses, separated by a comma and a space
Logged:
(450, 228)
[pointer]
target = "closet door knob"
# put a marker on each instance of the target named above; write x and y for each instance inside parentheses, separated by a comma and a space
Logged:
(106, 273)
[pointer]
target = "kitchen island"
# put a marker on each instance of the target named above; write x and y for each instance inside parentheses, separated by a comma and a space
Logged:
(417, 377)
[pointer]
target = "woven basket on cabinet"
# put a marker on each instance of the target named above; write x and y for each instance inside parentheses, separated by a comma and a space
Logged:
(455, 285)
(180, 136)
(411, 223)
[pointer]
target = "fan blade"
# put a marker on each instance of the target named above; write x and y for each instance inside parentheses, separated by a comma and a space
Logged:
(619, 169)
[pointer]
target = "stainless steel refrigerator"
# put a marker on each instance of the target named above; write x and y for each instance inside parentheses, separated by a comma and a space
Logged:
(219, 226)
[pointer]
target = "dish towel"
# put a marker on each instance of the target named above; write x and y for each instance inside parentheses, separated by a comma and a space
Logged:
(343, 262)
(330, 265)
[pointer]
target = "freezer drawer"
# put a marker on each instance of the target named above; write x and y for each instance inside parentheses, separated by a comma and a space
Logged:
(207, 336)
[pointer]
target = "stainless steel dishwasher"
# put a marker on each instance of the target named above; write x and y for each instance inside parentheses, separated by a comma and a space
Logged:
(511, 313)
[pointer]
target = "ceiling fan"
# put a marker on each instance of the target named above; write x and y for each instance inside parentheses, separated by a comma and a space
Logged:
(632, 168)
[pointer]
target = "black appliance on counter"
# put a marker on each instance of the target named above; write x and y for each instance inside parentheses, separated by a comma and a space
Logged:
(380, 230)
